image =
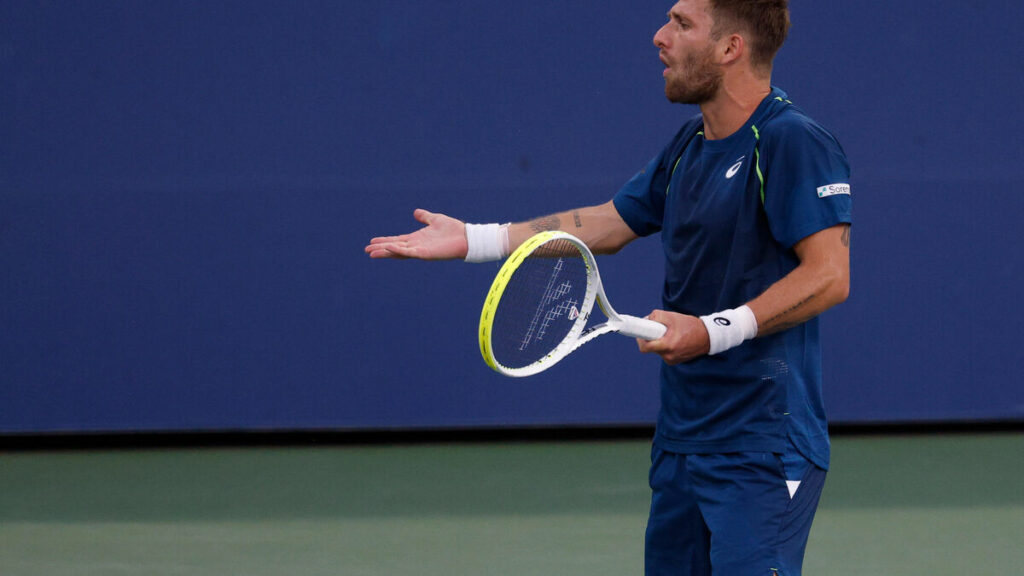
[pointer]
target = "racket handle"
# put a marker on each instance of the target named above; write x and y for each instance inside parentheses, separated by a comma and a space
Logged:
(640, 328)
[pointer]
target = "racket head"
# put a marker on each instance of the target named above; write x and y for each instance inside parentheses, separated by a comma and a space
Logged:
(538, 304)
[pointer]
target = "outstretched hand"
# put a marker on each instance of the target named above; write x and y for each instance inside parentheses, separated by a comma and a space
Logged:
(442, 238)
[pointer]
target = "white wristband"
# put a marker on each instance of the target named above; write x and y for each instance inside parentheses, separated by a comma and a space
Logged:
(486, 242)
(730, 328)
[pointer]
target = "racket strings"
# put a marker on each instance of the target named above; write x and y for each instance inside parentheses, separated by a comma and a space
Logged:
(555, 291)
(540, 305)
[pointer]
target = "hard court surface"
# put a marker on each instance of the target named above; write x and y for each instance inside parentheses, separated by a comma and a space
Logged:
(903, 505)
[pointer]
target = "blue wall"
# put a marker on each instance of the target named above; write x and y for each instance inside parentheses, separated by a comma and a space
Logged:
(186, 188)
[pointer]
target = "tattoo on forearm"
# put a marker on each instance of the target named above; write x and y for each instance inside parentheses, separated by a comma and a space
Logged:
(546, 223)
(781, 327)
(778, 323)
(846, 237)
(576, 219)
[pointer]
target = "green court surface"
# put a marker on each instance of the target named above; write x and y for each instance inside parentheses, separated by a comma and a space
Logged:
(904, 505)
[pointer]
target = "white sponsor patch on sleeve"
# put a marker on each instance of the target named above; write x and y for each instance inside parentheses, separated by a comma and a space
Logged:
(833, 189)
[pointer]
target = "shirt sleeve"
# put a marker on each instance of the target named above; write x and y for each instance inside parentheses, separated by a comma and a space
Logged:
(641, 201)
(806, 180)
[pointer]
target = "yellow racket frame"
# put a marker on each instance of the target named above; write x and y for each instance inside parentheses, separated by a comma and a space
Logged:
(626, 325)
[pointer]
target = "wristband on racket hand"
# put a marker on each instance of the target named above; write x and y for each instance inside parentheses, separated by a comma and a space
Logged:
(486, 242)
(730, 328)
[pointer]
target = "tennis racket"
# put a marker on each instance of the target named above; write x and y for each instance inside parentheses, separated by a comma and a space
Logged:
(538, 307)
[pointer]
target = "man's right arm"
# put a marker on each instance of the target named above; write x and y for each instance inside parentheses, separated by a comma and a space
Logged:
(444, 238)
(600, 227)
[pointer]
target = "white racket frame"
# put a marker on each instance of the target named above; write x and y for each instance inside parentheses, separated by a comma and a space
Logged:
(631, 326)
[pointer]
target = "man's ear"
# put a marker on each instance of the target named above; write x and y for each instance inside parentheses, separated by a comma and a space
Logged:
(733, 47)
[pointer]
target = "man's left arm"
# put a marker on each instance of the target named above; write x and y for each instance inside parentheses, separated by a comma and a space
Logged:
(820, 281)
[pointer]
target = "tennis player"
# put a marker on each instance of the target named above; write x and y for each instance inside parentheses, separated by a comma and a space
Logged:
(752, 200)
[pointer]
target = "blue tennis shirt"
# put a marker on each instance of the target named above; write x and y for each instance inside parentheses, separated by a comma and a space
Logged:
(729, 212)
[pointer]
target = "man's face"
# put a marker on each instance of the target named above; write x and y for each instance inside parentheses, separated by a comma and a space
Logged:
(686, 47)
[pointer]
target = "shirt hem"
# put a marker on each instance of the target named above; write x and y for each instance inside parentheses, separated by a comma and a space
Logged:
(772, 444)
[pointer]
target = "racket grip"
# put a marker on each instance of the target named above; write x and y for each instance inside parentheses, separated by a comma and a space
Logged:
(641, 328)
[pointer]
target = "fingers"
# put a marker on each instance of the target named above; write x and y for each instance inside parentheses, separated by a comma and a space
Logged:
(397, 246)
(659, 347)
(441, 238)
(390, 248)
(381, 247)
(644, 346)
(419, 214)
(653, 346)
(685, 338)
(423, 216)
(388, 240)
(383, 252)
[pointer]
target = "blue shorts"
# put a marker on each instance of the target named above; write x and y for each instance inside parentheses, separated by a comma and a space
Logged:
(729, 514)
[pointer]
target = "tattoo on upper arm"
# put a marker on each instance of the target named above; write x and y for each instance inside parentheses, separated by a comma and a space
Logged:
(576, 219)
(546, 223)
(846, 237)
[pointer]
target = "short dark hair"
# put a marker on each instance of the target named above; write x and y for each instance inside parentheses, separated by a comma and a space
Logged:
(767, 22)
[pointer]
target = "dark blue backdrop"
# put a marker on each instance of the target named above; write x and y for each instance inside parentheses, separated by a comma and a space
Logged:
(186, 188)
